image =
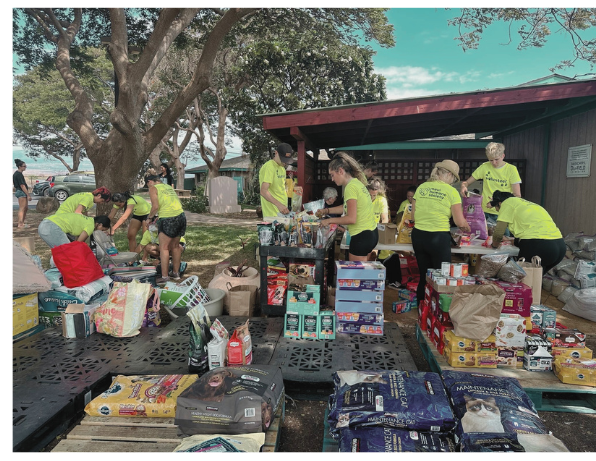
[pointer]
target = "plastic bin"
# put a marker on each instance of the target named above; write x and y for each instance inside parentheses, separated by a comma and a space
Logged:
(214, 307)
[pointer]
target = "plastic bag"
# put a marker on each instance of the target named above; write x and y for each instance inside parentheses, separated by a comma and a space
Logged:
(587, 242)
(583, 268)
(122, 314)
(564, 263)
(222, 443)
(490, 265)
(547, 282)
(558, 286)
(77, 264)
(152, 317)
(566, 294)
(511, 272)
(296, 202)
(583, 304)
(200, 335)
(314, 206)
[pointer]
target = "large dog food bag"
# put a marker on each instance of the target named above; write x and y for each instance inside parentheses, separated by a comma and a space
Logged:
(143, 395)
(409, 400)
(231, 400)
(387, 440)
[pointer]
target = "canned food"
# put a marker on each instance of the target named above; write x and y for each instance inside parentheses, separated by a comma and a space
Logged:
(464, 270)
(460, 282)
(456, 270)
(452, 282)
(441, 280)
(445, 269)
(469, 281)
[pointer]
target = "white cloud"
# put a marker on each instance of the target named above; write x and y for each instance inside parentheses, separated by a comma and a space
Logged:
(414, 75)
(500, 74)
(403, 93)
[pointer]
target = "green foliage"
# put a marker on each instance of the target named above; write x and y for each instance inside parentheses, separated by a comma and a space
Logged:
(197, 203)
(534, 26)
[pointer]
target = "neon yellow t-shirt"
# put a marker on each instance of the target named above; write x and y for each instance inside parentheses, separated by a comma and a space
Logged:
(365, 219)
(169, 203)
(141, 206)
(380, 206)
(153, 237)
(433, 206)
(403, 206)
(275, 176)
(495, 179)
(527, 220)
(73, 223)
(71, 203)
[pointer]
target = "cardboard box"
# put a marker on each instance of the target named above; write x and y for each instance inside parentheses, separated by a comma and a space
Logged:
(363, 270)
(559, 337)
(406, 294)
(461, 344)
(360, 317)
(359, 329)
(51, 319)
(306, 302)
(366, 307)
(77, 321)
(402, 306)
(361, 295)
(25, 313)
(578, 353)
(357, 284)
(533, 342)
(510, 331)
(518, 298)
(539, 360)
(387, 233)
(542, 317)
(423, 311)
(512, 357)
(327, 325)
(470, 359)
(292, 326)
(310, 326)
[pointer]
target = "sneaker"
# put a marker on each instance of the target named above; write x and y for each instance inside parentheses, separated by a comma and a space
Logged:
(394, 285)
(162, 280)
(175, 276)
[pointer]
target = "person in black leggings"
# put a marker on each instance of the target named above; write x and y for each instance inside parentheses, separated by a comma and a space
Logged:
(535, 232)
(434, 203)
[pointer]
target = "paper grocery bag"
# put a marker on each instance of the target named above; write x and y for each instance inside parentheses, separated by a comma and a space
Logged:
(533, 278)
(243, 299)
(475, 310)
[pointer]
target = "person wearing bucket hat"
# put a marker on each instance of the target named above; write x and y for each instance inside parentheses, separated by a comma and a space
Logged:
(272, 181)
(435, 202)
(496, 174)
(83, 201)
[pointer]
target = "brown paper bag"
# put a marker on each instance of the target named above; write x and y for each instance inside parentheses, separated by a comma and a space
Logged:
(475, 310)
(533, 278)
(243, 299)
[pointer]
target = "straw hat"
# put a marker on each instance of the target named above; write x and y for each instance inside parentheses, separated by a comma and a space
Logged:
(450, 166)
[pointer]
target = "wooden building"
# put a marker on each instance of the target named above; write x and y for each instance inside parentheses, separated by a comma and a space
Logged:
(542, 124)
(237, 168)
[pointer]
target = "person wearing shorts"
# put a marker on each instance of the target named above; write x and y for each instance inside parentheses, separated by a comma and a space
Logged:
(357, 208)
(150, 244)
(21, 192)
(170, 226)
(134, 205)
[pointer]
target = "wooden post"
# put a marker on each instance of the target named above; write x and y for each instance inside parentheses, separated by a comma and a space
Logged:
(302, 172)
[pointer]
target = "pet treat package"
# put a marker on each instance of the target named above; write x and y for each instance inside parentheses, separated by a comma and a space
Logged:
(152, 396)
(488, 405)
(219, 443)
(239, 348)
(396, 399)
(474, 214)
(231, 400)
(387, 440)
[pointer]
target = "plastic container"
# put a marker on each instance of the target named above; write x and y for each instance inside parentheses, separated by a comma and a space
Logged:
(215, 307)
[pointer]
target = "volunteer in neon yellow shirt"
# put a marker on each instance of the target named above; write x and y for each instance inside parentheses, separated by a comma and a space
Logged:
(272, 182)
(402, 207)
(376, 189)
(134, 205)
(535, 232)
(150, 244)
(83, 201)
(358, 213)
(434, 202)
(53, 229)
(496, 174)
(171, 225)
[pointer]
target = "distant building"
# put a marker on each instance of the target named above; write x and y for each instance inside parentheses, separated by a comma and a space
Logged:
(238, 168)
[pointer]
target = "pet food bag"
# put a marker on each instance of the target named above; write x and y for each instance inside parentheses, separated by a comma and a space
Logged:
(90, 291)
(474, 214)
(388, 440)
(511, 272)
(200, 335)
(152, 396)
(123, 313)
(239, 348)
(152, 317)
(404, 230)
(231, 400)
(216, 348)
(220, 443)
(490, 265)
(408, 400)
(583, 304)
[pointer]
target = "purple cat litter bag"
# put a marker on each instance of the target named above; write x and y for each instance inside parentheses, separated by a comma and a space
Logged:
(491, 404)
(472, 208)
(511, 442)
(387, 440)
(398, 399)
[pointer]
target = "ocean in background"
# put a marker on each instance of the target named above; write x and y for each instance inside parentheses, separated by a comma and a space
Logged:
(43, 166)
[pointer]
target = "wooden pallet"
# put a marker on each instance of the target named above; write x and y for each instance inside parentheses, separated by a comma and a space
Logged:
(546, 390)
(136, 435)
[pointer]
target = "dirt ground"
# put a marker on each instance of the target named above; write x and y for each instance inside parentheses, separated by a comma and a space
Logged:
(303, 430)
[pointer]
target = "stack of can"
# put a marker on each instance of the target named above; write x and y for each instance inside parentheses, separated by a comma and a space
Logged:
(451, 274)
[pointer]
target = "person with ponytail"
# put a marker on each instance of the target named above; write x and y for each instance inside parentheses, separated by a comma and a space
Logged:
(377, 190)
(357, 208)
(134, 205)
(535, 232)
(83, 201)
(53, 229)
(21, 192)
(434, 203)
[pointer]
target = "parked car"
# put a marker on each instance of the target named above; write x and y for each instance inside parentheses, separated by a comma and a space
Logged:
(43, 187)
(65, 186)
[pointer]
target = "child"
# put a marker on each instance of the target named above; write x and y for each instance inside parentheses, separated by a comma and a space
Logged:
(150, 244)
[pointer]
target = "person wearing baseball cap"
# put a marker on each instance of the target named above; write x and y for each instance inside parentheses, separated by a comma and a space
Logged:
(496, 174)
(434, 203)
(272, 181)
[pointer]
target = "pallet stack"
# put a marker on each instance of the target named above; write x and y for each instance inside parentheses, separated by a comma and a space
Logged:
(359, 297)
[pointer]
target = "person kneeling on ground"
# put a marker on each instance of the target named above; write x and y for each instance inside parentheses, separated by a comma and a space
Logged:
(53, 229)
(150, 244)
(170, 226)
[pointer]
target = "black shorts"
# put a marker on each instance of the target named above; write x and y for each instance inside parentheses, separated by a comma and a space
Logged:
(173, 227)
(140, 218)
(363, 243)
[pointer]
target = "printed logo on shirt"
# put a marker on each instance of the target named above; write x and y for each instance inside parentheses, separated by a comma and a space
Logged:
(433, 193)
(501, 182)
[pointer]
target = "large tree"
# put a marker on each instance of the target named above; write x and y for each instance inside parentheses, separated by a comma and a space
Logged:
(533, 27)
(58, 37)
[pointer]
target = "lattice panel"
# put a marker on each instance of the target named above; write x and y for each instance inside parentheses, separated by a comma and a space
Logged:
(45, 343)
(313, 358)
(166, 354)
(423, 170)
(73, 370)
(22, 363)
(396, 170)
(322, 170)
(371, 360)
